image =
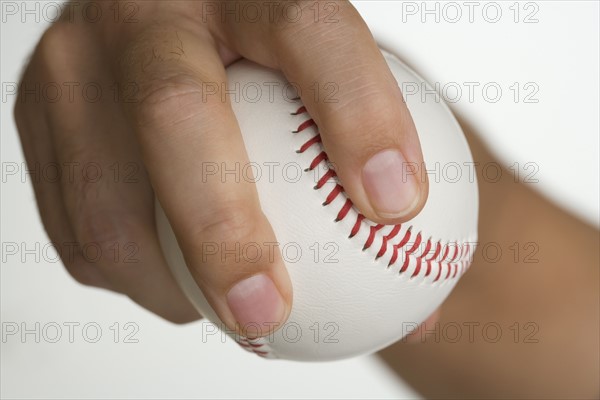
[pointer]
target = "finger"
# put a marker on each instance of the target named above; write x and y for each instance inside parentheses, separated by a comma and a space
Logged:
(419, 335)
(351, 94)
(107, 196)
(181, 132)
(30, 118)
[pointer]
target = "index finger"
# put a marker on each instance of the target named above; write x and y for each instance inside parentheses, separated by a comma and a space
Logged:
(181, 131)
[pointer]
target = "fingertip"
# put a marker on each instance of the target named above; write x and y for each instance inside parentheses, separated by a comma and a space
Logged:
(392, 189)
(419, 334)
(258, 306)
(239, 268)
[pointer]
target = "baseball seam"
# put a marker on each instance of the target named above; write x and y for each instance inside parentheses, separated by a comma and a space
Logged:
(455, 258)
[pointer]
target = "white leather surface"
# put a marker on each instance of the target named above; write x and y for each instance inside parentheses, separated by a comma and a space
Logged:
(358, 303)
(170, 361)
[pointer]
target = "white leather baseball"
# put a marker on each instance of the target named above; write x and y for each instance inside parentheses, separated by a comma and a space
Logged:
(358, 286)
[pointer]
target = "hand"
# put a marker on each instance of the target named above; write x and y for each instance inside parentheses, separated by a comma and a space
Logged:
(161, 127)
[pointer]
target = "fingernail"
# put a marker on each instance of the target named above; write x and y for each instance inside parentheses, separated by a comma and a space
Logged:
(390, 184)
(256, 305)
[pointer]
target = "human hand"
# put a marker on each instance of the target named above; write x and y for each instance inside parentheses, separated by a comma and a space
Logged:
(155, 125)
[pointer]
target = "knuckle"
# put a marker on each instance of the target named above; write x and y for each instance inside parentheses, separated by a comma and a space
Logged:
(168, 88)
(228, 240)
(70, 253)
(174, 98)
(76, 152)
(83, 273)
(226, 243)
(59, 42)
(55, 37)
(376, 121)
(106, 243)
(233, 224)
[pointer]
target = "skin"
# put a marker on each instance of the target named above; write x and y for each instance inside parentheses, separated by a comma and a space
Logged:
(160, 136)
(555, 289)
(163, 133)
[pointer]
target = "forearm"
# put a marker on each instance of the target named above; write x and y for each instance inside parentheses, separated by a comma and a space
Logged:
(547, 310)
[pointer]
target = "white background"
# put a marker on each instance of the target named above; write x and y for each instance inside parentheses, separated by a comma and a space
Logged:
(559, 133)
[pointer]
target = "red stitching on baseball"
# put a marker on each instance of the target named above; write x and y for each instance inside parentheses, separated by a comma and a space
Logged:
(371, 238)
(384, 242)
(439, 274)
(394, 256)
(438, 248)
(252, 345)
(344, 210)
(458, 256)
(356, 226)
(317, 160)
(301, 110)
(404, 240)
(325, 178)
(305, 125)
(455, 253)
(405, 263)
(427, 248)
(333, 194)
(417, 269)
(415, 245)
(305, 146)
(449, 270)
(428, 268)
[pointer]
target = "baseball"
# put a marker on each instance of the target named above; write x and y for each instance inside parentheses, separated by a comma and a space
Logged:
(358, 286)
